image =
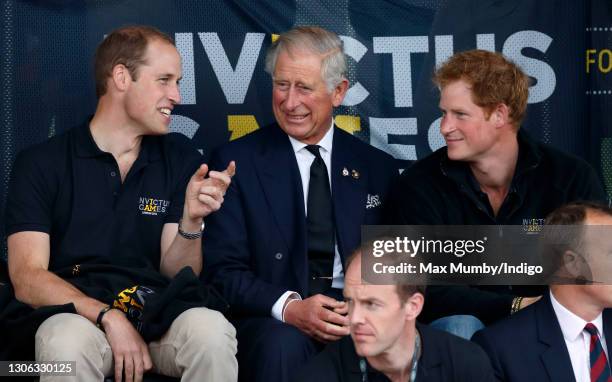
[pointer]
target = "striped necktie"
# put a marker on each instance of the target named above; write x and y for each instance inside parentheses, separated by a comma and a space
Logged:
(600, 368)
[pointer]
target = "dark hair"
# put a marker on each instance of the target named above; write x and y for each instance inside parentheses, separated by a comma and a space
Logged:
(558, 239)
(404, 288)
(126, 46)
(493, 78)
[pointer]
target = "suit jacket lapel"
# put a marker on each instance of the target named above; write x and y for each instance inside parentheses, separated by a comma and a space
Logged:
(282, 185)
(556, 358)
(349, 192)
(607, 327)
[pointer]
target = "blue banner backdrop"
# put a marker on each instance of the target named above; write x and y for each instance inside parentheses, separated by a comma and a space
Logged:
(393, 45)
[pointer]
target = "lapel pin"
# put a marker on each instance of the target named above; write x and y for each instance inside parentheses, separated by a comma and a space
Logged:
(345, 172)
(355, 174)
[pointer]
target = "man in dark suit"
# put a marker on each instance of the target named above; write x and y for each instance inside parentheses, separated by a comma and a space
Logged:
(277, 248)
(387, 344)
(567, 335)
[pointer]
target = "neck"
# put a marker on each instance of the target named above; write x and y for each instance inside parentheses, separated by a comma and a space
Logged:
(576, 299)
(396, 362)
(112, 132)
(495, 170)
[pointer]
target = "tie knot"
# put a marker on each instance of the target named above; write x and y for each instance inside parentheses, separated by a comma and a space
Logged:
(314, 150)
(591, 329)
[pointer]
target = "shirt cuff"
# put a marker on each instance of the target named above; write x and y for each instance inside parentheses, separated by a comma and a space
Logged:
(277, 308)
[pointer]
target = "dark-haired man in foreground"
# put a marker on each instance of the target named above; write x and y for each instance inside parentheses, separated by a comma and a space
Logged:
(386, 342)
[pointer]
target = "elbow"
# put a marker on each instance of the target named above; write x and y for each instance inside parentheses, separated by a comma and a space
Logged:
(21, 290)
(21, 285)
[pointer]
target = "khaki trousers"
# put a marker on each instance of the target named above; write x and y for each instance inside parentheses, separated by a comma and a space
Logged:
(199, 346)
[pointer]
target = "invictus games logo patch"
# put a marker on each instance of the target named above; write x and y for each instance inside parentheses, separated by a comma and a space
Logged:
(533, 225)
(132, 301)
(150, 206)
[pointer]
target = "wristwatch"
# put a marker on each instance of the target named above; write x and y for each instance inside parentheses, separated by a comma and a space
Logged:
(190, 235)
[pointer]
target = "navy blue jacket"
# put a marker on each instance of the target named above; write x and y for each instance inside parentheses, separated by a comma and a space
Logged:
(255, 246)
(529, 346)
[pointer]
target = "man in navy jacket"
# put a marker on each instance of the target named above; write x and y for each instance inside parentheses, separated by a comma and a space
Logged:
(561, 337)
(258, 250)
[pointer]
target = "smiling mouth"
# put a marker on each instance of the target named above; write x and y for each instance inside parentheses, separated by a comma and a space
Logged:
(451, 140)
(165, 111)
(296, 118)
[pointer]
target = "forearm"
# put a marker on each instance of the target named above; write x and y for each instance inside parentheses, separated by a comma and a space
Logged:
(39, 287)
(182, 252)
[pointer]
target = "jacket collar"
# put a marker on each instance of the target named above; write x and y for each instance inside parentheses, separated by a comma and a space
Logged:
(529, 158)
(555, 358)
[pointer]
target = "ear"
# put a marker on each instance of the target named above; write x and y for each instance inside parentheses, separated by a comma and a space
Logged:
(574, 264)
(413, 306)
(501, 115)
(121, 77)
(339, 92)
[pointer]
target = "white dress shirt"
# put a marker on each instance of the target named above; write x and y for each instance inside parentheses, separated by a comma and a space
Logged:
(577, 340)
(304, 160)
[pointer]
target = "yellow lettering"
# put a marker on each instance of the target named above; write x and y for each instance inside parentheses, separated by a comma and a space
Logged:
(241, 125)
(348, 123)
(589, 59)
(600, 59)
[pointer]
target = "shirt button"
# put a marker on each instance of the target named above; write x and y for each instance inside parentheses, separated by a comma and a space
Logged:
(113, 173)
(278, 256)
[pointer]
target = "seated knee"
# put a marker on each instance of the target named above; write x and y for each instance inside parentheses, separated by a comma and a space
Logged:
(65, 335)
(208, 327)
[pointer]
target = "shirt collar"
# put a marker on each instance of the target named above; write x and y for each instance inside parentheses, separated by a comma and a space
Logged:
(325, 142)
(529, 158)
(86, 146)
(572, 326)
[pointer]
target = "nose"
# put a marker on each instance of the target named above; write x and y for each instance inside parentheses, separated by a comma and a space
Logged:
(293, 99)
(355, 316)
(446, 125)
(175, 95)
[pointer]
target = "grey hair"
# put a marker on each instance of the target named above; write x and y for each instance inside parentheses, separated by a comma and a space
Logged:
(316, 40)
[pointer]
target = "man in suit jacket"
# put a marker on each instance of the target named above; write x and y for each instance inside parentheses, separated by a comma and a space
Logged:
(277, 248)
(387, 344)
(560, 335)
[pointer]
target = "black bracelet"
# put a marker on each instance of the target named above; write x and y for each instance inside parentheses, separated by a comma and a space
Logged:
(101, 314)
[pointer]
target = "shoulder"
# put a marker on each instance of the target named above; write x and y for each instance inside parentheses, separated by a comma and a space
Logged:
(425, 176)
(429, 165)
(461, 359)
(361, 148)
(450, 346)
(504, 331)
(46, 156)
(330, 364)
(262, 137)
(561, 160)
